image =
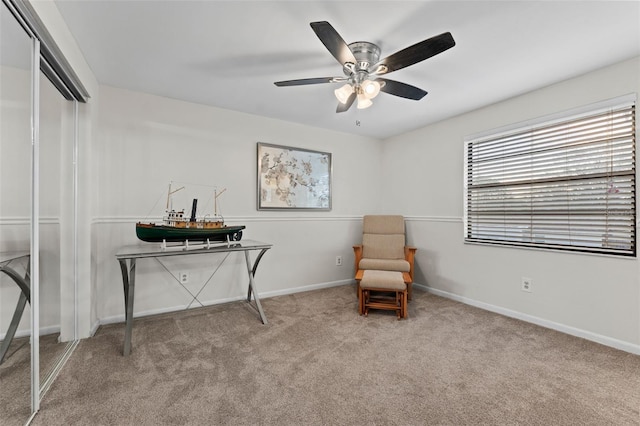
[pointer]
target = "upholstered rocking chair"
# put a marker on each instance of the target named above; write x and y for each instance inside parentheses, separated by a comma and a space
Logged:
(383, 263)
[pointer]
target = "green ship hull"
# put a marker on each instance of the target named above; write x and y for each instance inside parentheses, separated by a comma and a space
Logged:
(153, 233)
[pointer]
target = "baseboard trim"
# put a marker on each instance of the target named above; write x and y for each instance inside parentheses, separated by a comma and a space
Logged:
(121, 318)
(305, 288)
(26, 333)
(594, 337)
(263, 295)
(94, 327)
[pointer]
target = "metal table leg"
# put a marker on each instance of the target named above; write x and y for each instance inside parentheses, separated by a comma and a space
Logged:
(25, 296)
(128, 281)
(251, 270)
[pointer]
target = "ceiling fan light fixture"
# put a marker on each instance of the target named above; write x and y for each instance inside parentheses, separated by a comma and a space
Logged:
(363, 101)
(343, 93)
(370, 88)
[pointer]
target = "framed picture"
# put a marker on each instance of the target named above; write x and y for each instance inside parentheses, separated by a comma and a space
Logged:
(293, 178)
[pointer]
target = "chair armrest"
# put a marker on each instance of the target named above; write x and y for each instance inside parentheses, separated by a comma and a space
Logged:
(357, 251)
(409, 252)
(409, 255)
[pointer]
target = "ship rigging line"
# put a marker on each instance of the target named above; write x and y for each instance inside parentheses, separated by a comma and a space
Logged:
(162, 195)
(208, 199)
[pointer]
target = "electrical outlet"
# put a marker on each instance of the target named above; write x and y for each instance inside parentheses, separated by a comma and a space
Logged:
(184, 277)
(527, 284)
(338, 260)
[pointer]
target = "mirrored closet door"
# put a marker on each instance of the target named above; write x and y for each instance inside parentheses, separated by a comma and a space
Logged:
(56, 136)
(39, 96)
(16, 53)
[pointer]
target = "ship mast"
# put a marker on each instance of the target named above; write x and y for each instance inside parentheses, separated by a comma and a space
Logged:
(170, 193)
(215, 201)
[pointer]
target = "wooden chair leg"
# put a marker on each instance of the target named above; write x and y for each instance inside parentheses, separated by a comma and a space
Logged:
(364, 295)
(365, 301)
(405, 304)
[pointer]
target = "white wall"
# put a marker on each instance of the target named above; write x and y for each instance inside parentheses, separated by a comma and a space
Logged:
(143, 142)
(597, 297)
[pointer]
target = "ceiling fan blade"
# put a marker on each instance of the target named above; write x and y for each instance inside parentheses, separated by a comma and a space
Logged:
(333, 42)
(402, 90)
(342, 107)
(304, 81)
(414, 54)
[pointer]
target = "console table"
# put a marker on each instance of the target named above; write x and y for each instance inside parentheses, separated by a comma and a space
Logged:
(6, 258)
(128, 255)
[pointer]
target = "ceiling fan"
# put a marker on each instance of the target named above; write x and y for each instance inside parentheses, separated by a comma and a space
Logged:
(362, 67)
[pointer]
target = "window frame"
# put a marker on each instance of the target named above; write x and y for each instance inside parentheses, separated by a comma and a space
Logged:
(538, 123)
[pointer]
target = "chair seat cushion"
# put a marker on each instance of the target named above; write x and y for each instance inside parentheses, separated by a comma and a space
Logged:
(387, 280)
(399, 265)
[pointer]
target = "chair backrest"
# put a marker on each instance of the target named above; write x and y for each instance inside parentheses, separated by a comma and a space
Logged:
(383, 237)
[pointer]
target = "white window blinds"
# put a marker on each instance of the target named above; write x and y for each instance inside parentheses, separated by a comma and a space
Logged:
(566, 184)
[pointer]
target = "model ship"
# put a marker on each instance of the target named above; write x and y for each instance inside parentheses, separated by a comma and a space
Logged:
(177, 227)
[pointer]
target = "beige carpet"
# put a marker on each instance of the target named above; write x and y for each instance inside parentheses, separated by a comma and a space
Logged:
(15, 376)
(319, 363)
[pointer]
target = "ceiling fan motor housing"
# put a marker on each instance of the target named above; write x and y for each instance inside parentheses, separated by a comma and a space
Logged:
(366, 54)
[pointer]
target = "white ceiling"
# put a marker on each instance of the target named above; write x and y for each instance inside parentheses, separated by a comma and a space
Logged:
(228, 53)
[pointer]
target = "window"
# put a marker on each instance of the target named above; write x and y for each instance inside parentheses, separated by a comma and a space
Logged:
(564, 184)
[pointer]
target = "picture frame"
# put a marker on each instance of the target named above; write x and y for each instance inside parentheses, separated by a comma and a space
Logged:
(293, 178)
